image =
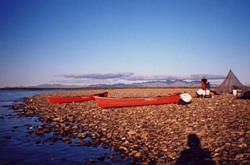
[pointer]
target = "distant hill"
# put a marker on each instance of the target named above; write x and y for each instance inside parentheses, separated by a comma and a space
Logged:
(118, 85)
(55, 86)
(167, 83)
(49, 86)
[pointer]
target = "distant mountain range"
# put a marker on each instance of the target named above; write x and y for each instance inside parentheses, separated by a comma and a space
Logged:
(167, 83)
(55, 86)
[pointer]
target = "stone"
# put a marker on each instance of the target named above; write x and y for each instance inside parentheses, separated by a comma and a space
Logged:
(131, 133)
(154, 133)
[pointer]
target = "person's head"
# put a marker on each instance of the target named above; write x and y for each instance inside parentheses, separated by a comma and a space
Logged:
(204, 77)
(193, 141)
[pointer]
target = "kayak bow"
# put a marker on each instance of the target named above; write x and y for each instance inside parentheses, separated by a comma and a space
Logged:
(55, 100)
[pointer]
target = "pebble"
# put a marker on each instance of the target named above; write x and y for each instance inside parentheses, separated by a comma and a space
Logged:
(149, 133)
(18, 116)
(92, 160)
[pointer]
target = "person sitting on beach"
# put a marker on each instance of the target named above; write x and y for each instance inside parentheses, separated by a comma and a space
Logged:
(204, 83)
(208, 85)
(205, 87)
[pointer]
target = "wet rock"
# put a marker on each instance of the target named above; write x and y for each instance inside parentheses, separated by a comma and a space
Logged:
(81, 135)
(137, 154)
(123, 148)
(63, 159)
(7, 137)
(81, 142)
(39, 132)
(67, 140)
(18, 116)
(92, 160)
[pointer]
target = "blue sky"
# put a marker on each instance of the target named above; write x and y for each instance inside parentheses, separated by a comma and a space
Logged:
(85, 41)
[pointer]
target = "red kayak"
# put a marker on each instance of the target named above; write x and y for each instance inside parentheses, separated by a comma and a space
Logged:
(55, 100)
(116, 102)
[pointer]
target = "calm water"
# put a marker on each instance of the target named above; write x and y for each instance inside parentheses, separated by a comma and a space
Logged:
(17, 146)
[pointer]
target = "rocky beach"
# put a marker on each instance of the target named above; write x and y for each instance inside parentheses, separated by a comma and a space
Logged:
(155, 134)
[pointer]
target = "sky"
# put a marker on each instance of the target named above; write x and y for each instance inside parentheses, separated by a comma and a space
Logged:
(84, 42)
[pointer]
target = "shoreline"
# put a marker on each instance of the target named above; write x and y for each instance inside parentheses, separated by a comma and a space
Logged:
(150, 134)
(90, 88)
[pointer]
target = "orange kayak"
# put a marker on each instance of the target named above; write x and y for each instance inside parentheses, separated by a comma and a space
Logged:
(55, 100)
(124, 102)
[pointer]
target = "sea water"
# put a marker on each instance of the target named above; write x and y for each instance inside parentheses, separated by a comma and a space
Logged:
(19, 147)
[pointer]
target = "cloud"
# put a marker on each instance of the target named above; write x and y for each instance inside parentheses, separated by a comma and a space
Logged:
(83, 81)
(132, 77)
(151, 77)
(208, 76)
(171, 77)
(99, 76)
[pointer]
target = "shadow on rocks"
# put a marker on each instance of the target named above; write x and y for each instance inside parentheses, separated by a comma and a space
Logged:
(195, 155)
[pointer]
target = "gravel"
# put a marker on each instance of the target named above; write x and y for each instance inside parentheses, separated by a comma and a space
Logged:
(155, 134)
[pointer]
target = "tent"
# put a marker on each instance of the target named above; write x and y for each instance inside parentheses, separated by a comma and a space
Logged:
(231, 82)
